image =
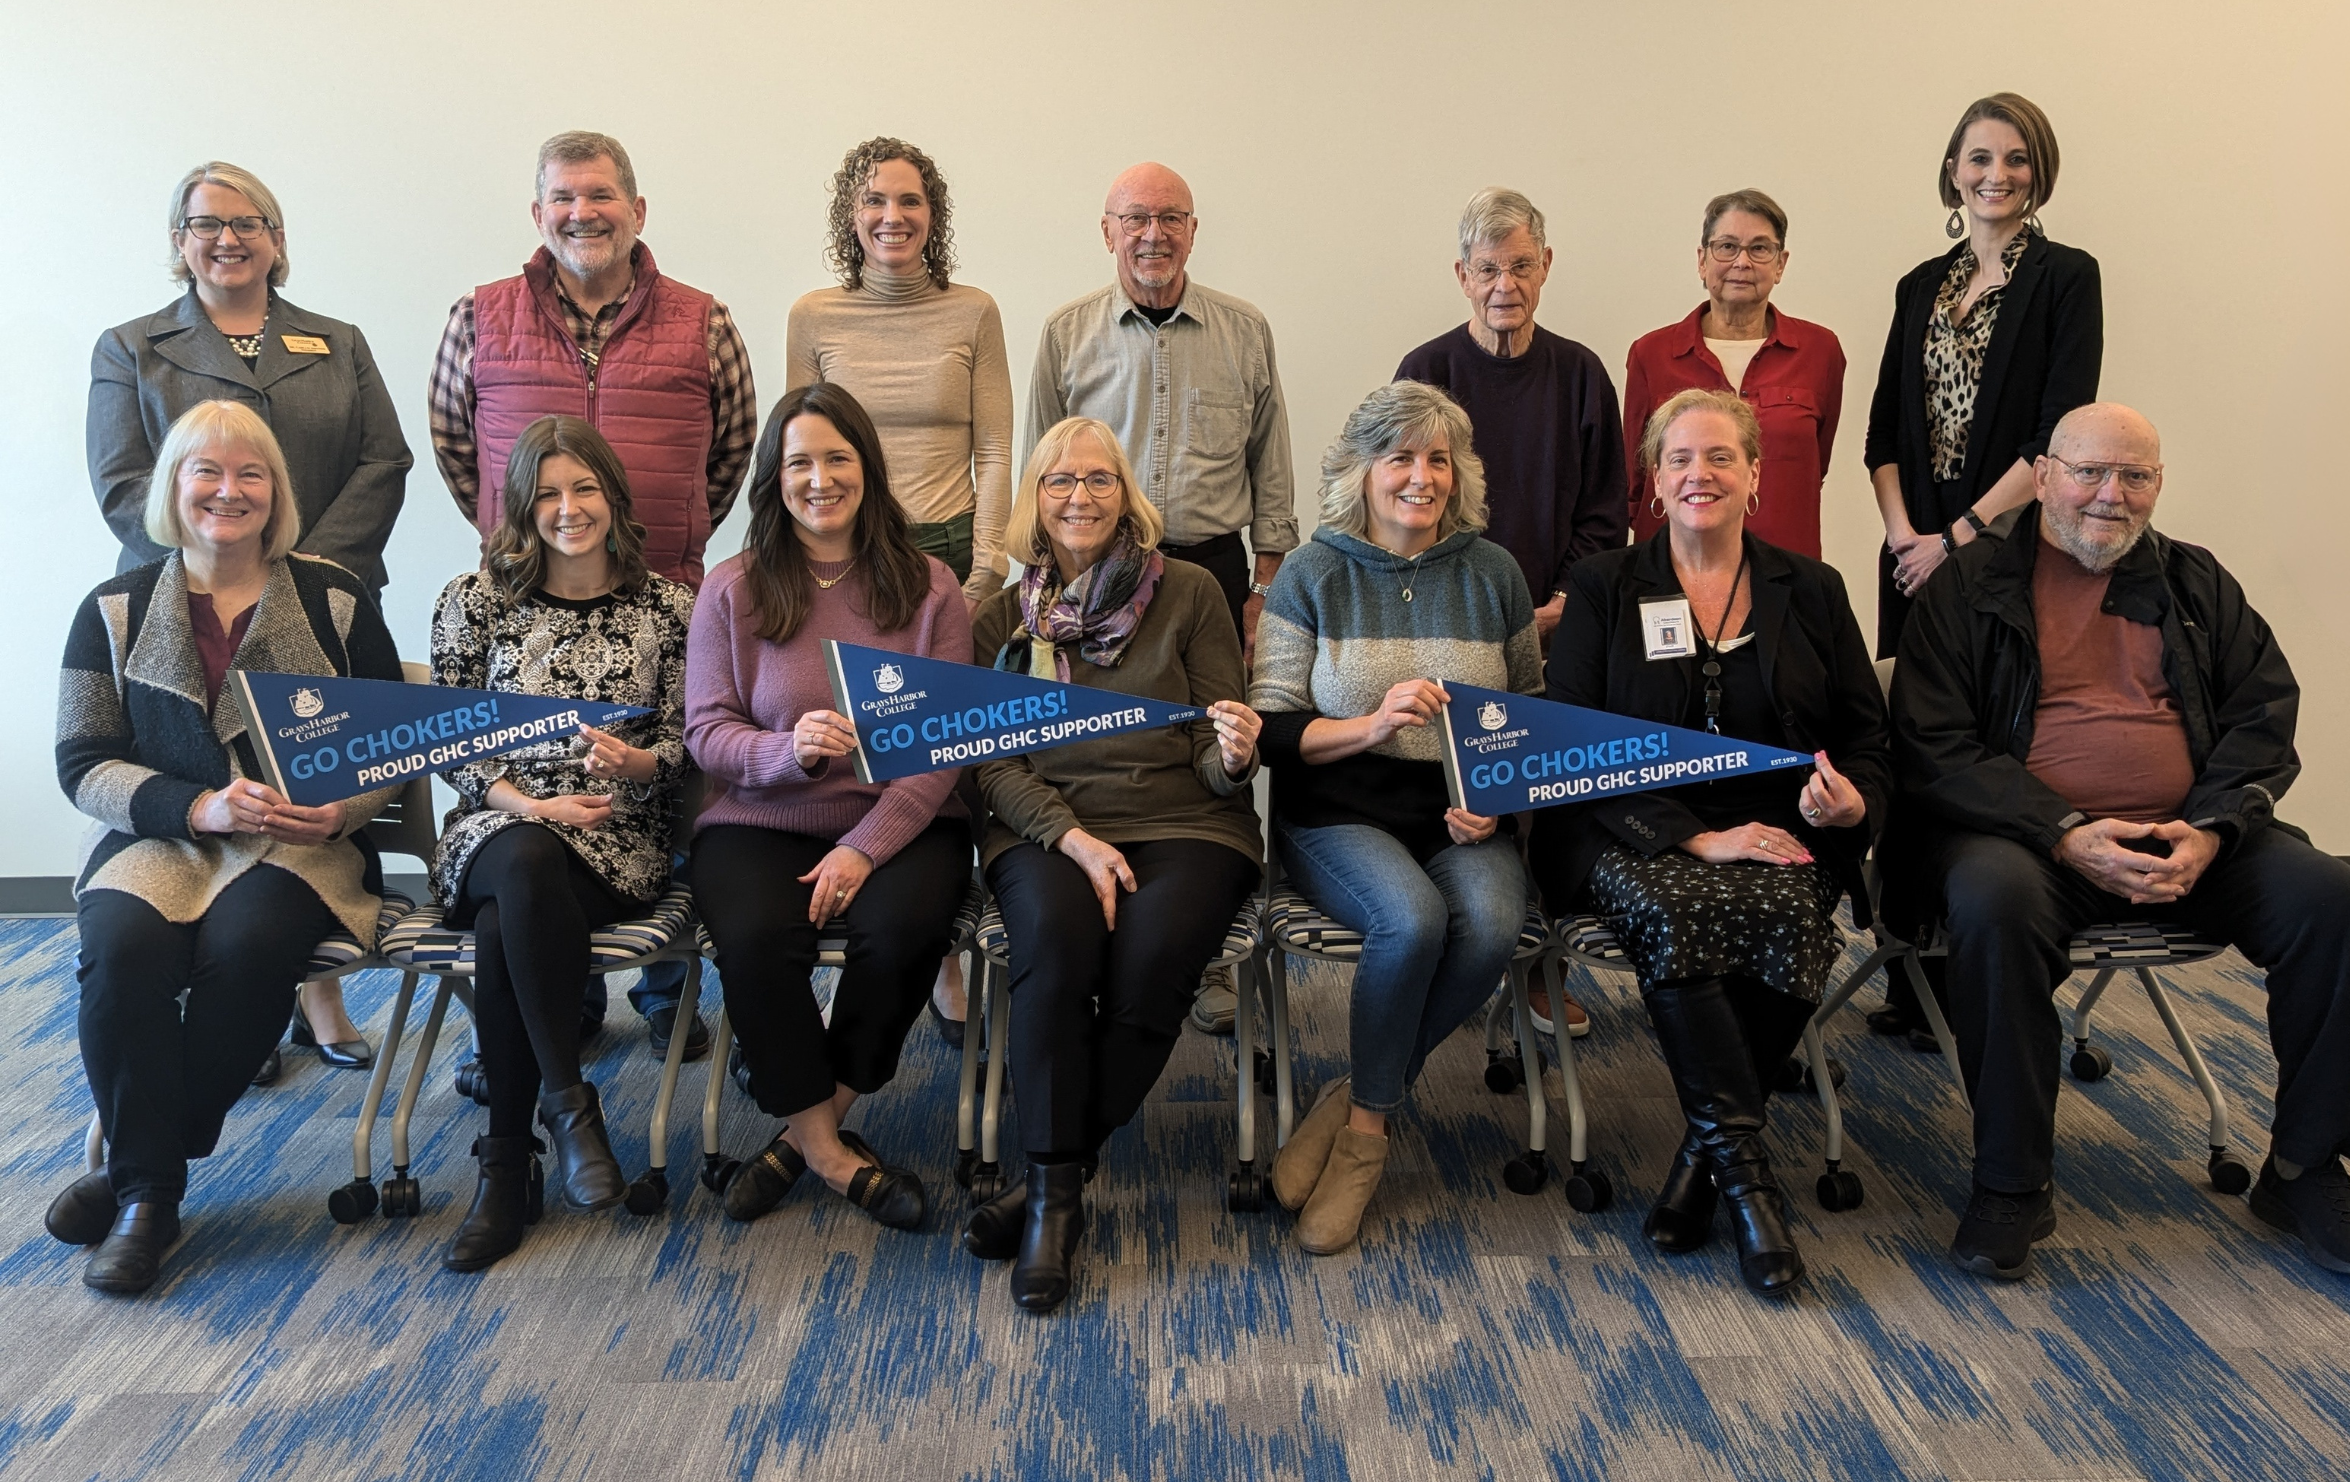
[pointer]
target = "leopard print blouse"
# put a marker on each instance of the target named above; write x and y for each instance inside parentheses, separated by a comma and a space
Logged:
(1954, 357)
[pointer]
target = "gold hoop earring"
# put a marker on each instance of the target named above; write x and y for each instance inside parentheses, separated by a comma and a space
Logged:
(1753, 504)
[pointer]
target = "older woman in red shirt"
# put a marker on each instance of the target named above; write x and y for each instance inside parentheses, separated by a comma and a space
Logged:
(1789, 370)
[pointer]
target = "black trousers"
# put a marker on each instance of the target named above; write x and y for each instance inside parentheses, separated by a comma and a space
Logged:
(164, 1075)
(747, 886)
(1096, 1012)
(1224, 557)
(2009, 911)
(532, 903)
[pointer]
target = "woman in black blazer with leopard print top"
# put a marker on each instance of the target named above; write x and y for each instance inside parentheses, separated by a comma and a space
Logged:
(1991, 343)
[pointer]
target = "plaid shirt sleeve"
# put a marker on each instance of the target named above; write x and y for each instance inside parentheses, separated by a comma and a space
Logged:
(734, 412)
(450, 408)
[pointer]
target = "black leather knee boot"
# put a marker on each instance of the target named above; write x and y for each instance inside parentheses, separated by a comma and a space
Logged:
(1042, 1272)
(585, 1169)
(1714, 1076)
(1683, 1218)
(508, 1197)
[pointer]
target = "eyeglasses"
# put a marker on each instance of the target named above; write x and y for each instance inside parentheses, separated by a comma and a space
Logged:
(1761, 254)
(1100, 484)
(207, 228)
(2135, 478)
(1484, 274)
(1138, 222)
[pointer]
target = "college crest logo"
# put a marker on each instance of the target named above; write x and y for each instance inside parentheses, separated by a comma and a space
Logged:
(307, 702)
(1492, 716)
(889, 679)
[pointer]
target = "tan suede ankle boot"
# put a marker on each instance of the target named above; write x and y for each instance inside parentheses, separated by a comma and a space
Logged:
(1332, 1217)
(1298, 1166)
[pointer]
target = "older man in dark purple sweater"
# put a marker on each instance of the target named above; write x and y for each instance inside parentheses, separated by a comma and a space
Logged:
(1544, 410)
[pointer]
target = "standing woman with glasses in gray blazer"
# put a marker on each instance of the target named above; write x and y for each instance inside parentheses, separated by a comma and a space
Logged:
(230, 337)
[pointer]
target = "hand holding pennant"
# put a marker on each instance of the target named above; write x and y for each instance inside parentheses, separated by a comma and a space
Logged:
(321, 739)
(914, 715)
(1507, 753)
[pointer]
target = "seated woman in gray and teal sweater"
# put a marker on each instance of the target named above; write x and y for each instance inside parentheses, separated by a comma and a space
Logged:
(1394, 595)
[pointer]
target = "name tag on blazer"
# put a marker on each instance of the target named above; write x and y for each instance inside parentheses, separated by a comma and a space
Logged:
(1666, 625)
(302, 344)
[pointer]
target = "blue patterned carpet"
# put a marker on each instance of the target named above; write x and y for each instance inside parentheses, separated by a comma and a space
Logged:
(1475, 1332)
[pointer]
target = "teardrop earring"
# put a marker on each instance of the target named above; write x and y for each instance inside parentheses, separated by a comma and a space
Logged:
(1955, 227)
(612, 544)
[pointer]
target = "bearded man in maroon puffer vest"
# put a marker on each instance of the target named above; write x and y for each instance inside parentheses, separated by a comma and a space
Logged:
(591, 328)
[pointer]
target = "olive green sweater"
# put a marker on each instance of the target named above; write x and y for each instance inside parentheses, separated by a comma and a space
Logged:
(1163, 783)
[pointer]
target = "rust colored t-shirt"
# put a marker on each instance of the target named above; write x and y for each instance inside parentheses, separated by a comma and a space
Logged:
(2108, 735)
(216, 646)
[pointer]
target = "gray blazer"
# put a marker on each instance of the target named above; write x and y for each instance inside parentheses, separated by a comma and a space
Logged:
(330, 412)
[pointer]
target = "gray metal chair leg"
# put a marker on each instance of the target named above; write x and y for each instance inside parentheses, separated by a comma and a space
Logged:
(94, 1144)
(717, 1168)
(1527, 1174)
(987, 1176)
(357, 1199)
(1932, 1008)
(1284, 1073)
(2228, 1175)
(967, 1077)
(1587, 1188)
(401, 1196)
(1244, 1186)
(650, 1190)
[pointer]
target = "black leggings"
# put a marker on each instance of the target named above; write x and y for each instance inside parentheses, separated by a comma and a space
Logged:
(1096, 1012)
(746, 884)
(164, 1077)
(532, 903)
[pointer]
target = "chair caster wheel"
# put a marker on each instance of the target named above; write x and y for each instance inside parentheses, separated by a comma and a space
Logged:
(1839, 1189)
(966, 1160)
(718, 1171)
(1504, 1074)
(650, 1193)
(1588, 1191)
(1244, 1190)
(402, 1198)
(1265, 1080)
(2227, 1175)
(472, 1082)
(352, 1202)
(2090, 1062)
(1796, 1075)
(987, 1181)
(1527, 1174)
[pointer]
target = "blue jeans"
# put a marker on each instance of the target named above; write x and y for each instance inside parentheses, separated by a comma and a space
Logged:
(1437, 940)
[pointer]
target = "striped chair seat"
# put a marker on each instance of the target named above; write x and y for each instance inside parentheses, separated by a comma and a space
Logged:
(1241, 938)
(337, 953)
(1298, 926)
(1589, 937)
(419, 943)
(2139, 944)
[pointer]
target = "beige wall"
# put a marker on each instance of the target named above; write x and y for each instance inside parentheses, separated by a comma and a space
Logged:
(1329, 146)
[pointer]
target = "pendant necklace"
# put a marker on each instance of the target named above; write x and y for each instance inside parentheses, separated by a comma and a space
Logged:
(1712, 667)
(836, 581)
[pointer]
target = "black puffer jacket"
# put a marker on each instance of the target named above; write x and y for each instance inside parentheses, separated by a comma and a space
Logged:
(1967, 688)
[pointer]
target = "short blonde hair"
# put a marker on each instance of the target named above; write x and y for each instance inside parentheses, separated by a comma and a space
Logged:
(1660, 422)
(245, 183)
(1024, 537)
(1401, 414)
(221, 424)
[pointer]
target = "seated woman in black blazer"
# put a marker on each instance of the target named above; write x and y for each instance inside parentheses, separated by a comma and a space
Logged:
(1722, 893)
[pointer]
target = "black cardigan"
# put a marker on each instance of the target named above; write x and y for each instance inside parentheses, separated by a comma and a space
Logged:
(2043, 360)
(1814, 663)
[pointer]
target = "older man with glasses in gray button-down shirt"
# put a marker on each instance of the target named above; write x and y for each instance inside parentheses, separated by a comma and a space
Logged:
(1184, 375)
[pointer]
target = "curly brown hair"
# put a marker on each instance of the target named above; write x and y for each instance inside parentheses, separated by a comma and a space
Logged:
(845, 253)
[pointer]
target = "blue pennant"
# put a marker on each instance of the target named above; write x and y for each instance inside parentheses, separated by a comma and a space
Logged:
(1507, 753)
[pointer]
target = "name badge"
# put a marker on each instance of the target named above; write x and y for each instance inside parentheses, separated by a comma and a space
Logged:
(302, 344)
(1667, 624)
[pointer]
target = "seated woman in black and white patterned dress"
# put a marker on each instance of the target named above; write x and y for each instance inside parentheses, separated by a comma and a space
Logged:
(548, 843)
(1723, 894)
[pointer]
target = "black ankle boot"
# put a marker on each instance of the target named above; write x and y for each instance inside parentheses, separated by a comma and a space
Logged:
(993, 1231)
(589, 1175)
(1048, 1241)
(1683, 1219)
(1698, 1029)
(509, 1196)
(131, 1257)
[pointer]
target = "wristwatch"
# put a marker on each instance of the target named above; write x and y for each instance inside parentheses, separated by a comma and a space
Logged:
(1949, 542)
(1259, 589)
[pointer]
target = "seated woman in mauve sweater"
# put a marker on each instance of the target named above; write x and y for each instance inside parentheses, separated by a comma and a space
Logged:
(789, 842)
(1395, 594)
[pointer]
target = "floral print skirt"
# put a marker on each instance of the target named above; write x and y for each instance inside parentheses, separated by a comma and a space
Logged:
(1677, 916)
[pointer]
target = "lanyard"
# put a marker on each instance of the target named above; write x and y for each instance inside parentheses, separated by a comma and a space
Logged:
(1712, 667)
